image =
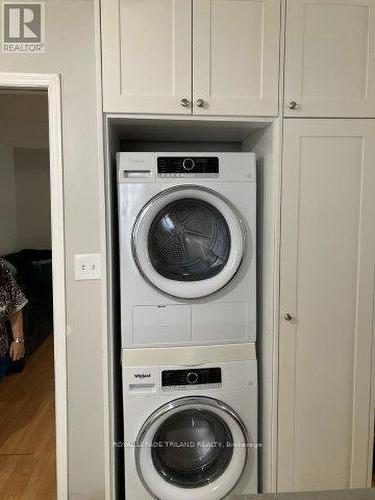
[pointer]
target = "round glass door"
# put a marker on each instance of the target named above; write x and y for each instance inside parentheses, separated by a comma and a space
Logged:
(188, 241)
(192, 447)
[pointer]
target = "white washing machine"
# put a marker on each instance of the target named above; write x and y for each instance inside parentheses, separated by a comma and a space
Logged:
(187, 229)
(190, 431)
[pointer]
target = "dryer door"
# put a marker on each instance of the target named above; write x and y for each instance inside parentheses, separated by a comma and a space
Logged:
(192, 447)
(188, 241)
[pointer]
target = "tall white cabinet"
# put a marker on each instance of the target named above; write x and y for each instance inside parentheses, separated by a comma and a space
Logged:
(327, 261)
(326, 304)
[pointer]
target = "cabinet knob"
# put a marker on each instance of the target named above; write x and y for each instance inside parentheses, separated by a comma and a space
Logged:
(293, 105)
(185, 102)
(200, 103)
(288, 317)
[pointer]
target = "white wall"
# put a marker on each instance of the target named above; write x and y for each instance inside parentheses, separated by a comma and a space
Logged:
(8, 221)
(24, 172)
(32, 196)
(24, 118)
(70, 51)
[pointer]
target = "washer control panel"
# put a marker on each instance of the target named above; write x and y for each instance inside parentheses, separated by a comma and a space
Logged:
(183, 379)
(188, 166)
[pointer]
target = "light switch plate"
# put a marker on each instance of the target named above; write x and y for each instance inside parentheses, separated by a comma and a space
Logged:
(87, 266)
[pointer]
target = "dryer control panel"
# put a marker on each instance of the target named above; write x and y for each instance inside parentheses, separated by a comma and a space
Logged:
(181, 379)
(189, 166)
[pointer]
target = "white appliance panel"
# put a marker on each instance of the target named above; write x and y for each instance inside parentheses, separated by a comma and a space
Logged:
(163, 324)
(144, 395)
(227, 316)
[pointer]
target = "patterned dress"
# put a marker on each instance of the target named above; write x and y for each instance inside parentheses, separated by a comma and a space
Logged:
(12, 300)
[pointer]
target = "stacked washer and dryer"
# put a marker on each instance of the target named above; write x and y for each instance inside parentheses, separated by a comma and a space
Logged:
(187, 232)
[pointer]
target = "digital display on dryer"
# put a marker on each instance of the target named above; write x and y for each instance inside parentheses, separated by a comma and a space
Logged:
(171, 378)
(188, 165)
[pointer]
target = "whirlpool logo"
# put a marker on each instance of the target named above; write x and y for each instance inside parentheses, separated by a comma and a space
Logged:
(142, 375)
(23, 28)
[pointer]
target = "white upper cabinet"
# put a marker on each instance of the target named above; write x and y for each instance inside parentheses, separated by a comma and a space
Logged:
(149, 66)
(146, 47)
(236, 57)
(330, 58)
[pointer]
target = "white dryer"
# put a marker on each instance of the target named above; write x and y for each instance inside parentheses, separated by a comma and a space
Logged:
(187, 231)
(190, 432)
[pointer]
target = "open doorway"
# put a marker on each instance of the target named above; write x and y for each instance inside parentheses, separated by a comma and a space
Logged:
(27, 420)
(33, 402)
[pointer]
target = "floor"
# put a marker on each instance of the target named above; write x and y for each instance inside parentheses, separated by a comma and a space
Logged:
(27, 433)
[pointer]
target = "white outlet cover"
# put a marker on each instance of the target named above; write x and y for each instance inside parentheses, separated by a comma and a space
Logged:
(87, 266)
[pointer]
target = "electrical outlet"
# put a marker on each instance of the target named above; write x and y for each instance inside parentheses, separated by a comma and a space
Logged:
(87, 266)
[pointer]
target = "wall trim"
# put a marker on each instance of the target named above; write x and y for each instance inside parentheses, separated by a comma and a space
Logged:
(109, 483)
(51, 83)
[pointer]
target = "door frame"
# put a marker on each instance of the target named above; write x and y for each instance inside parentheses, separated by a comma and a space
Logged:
(51, 83)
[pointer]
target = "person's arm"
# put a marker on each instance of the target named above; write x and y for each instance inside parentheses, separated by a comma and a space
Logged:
(17, 348)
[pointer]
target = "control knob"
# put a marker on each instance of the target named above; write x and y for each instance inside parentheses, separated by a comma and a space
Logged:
(192, 377)
(188, 164)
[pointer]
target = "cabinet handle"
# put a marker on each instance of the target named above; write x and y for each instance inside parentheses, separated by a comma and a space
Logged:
(288, 317)
(185, 103)
(200, 103)
(293, 105)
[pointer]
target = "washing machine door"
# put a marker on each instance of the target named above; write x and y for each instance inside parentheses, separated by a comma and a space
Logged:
(188, 241)
(192, 447)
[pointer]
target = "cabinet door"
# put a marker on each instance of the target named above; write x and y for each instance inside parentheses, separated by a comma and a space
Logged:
(327, 286)
(146, 47)
(330, 58)
(236, 57)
